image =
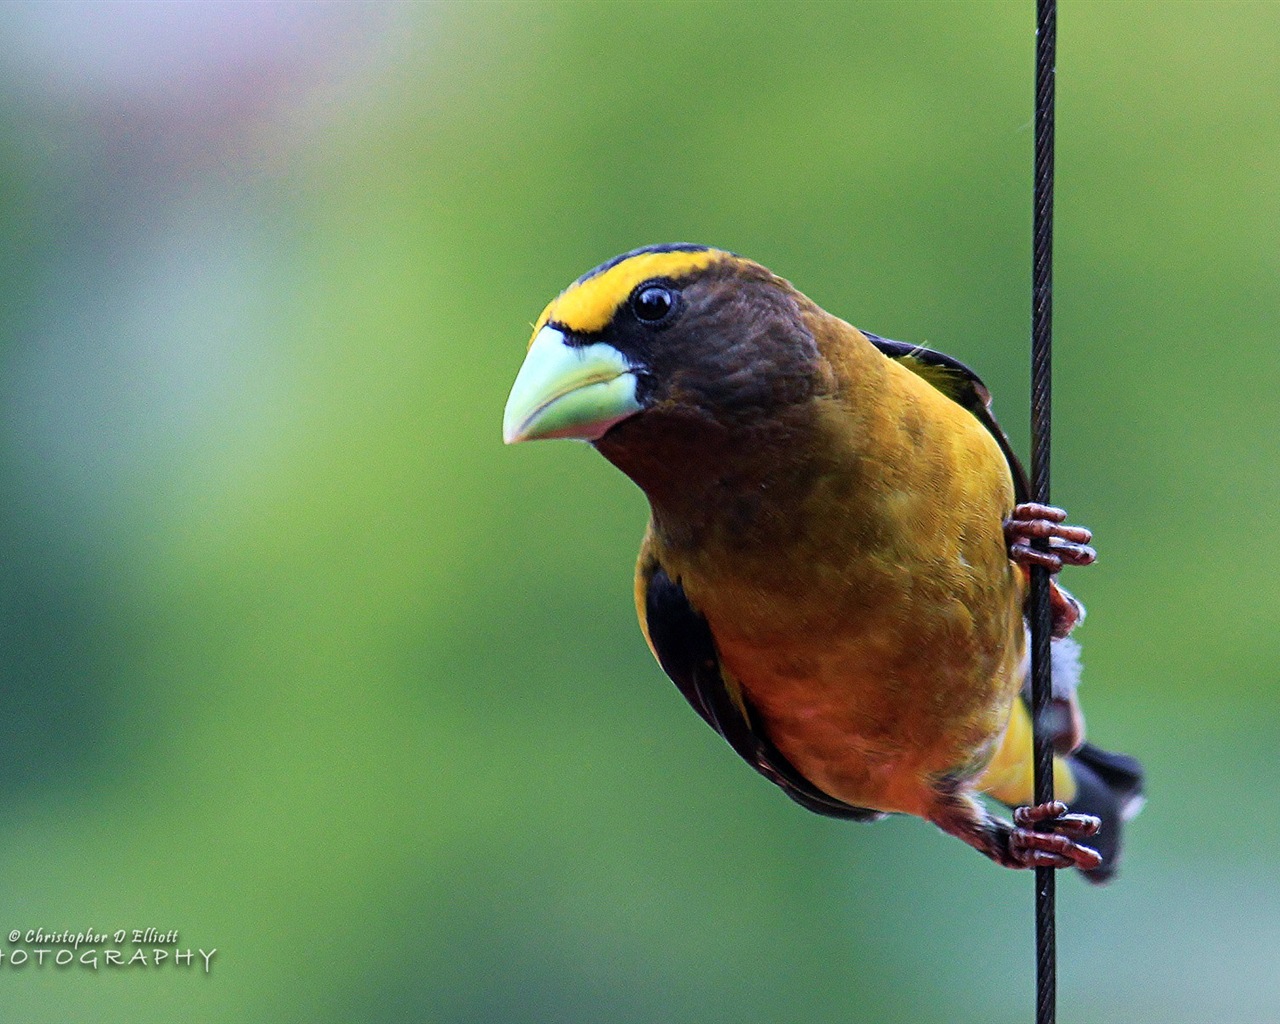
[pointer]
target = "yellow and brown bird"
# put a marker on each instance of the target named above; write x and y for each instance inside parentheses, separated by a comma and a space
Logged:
(835, 568)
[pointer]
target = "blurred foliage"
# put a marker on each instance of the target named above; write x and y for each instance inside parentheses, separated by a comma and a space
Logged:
(299, 661)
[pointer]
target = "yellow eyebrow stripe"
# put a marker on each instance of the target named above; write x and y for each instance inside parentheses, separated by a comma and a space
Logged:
(588, 307)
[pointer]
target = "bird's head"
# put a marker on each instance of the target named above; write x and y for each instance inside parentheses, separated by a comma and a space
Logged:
(664, 335)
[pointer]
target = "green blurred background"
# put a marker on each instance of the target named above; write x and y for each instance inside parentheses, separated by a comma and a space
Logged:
(300, 661)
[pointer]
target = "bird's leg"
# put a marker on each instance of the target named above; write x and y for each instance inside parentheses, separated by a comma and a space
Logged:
(1065, 610)
(1068, 545)
(1019, 845)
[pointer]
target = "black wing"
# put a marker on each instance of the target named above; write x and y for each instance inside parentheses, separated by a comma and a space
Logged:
(961, 385)
(686, 650)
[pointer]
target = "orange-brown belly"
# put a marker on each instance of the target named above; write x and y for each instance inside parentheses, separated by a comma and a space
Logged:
(876, 715)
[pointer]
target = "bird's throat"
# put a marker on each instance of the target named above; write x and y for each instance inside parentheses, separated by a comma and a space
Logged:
(727, 488)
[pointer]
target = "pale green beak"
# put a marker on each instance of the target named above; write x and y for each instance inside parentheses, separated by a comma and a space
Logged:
(568, 391)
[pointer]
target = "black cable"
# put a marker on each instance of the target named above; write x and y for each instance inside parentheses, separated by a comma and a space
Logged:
(1041, 403)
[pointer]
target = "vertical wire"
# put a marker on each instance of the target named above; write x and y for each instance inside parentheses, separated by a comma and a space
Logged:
(1041, 391)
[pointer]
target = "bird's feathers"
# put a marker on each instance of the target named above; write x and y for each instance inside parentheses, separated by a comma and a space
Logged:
(588, 305)
(826, 576)
(682, 642)
(962, 386)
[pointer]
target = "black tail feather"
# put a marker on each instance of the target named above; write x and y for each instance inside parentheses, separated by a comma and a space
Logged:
(1110, 786)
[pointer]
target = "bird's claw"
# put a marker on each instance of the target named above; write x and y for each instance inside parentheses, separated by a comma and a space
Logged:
(1068, 545)
(1057, 848)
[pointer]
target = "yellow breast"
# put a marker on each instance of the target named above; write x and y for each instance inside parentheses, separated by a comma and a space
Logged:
(881, 646)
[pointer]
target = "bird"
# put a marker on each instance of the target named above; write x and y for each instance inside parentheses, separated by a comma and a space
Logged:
(835, 571)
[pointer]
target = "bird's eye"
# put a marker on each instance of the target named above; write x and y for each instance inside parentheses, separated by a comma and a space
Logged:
(652, 303)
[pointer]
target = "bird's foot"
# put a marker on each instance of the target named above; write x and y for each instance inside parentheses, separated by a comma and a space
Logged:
(1057, 848)
(1068, 545)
